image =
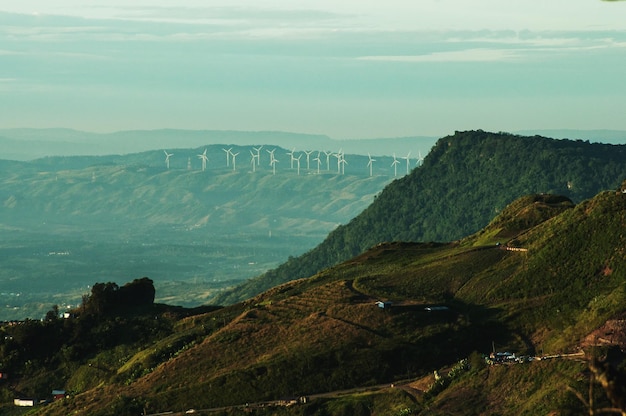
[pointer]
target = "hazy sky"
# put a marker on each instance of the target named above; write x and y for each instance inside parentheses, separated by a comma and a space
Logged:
(348, 69)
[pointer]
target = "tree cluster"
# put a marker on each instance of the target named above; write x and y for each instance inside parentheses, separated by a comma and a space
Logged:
(107, 297)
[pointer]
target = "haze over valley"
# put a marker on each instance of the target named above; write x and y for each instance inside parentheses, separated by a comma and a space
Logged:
(71, 221)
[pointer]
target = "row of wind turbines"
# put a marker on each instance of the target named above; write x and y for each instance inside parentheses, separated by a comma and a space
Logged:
(255, 160)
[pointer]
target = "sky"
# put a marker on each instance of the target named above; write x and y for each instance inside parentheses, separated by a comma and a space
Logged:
(347, 69)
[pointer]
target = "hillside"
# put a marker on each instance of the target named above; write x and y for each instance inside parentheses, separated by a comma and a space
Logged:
(70, 221)
(539, 280)
(465, 181)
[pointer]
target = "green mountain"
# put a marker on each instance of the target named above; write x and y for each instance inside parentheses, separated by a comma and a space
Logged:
(544, 279)
(465, 180)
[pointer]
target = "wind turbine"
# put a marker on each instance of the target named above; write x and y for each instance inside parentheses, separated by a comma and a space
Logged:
(407, 161)
(235, 160)
(272, 157)
(167, 158)
(271, 153)
(328, 154)
(371, 163)
(291, 155)
(204, 158)
(253, 160)
(273, 162)
(420, 159)
(339, 157)
(319, 162)
(308, 155)
(228, 153)
(258, 154)
(395, 165)
(297, 159)
(343, 162)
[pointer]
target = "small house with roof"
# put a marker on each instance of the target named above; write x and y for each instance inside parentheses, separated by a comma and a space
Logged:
(58, 394)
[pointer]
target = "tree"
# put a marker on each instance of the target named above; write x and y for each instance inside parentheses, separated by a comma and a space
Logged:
(102, 298)
(53, 314)
(138, 292)
(106, 297)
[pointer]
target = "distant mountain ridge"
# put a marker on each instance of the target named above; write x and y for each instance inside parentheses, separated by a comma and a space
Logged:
(28, 144)
(31, 143)
(465, 180)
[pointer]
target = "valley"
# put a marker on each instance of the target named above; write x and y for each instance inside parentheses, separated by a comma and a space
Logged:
(69, 222)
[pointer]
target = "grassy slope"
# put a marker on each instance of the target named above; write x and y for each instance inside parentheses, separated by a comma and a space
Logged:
(325, 333)
(465, 180)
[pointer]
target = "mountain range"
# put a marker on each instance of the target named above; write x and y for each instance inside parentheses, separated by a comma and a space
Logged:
(402, 328)
(29, 144)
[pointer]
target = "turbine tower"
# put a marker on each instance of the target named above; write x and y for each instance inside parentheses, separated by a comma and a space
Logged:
(297, 159)
(343, 162)
(273, 162)
(167, 158)
(253, 160)
(328, 154)
(394, 164)
(308, 155)
(291, 155)
(370, 164)
(204, 158)
(258, 154)
(420, 159)
(407, 162)
(235, 160)
(228, 153)
(319, 161)
(271, 153)
(339, 157)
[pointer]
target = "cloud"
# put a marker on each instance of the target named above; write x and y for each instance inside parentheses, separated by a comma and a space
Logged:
(171, 24)
(541, 39)
(466, 55)
(258, 14)
(500, 46)
(4, 52)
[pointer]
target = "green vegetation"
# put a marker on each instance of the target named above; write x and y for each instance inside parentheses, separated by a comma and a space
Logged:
(466, 180)
(84, 350)
(554, 280)
(544, 278)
